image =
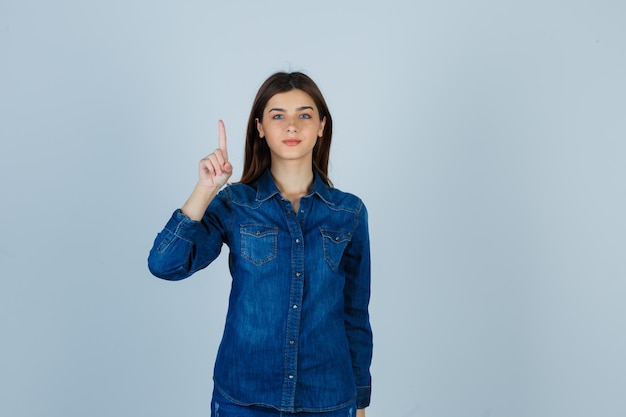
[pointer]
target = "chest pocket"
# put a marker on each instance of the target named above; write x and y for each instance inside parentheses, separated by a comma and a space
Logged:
(258, 243)
(335, 243)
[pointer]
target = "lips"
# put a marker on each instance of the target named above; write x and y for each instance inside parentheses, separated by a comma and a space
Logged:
(291, 142)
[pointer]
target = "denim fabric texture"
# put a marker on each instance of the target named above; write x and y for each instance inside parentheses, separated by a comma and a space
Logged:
(223, 407)
(297, 336)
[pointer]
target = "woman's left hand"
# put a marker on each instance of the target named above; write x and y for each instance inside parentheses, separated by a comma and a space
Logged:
(360, 412)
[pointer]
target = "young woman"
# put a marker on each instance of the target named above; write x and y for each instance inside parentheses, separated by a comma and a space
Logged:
(297, 339)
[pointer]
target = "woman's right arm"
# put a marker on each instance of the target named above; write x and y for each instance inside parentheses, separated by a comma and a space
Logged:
(213, 173)
(191, 239)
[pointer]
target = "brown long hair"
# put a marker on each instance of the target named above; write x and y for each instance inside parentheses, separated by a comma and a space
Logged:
(257, 157)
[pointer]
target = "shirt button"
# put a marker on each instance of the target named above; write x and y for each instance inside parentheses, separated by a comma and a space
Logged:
(290, 376)
(291, 342)
(298, 274)
(294, 306)
(297, 240)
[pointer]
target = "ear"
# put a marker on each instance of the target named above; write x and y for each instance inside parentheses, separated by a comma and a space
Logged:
(320, 132)
(259, 127)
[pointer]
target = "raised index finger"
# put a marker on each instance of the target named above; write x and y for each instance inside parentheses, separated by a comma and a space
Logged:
(222, 139)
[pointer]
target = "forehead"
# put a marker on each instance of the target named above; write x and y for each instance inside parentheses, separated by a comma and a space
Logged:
(290, 100)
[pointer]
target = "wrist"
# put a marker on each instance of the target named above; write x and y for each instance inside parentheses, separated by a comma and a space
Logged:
(206, 190)
(198, 201)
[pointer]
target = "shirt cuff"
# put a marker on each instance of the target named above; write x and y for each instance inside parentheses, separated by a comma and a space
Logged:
(182, 226)
(363, 395)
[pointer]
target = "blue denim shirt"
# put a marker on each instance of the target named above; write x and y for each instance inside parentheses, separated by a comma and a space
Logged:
(297, 334)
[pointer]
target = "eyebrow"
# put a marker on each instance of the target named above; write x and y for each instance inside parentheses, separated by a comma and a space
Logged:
(283, 110)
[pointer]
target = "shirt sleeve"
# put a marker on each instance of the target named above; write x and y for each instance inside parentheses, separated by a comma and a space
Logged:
(356, 314)
(185, 246)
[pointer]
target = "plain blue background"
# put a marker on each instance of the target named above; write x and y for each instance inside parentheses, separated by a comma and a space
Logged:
(487, 139)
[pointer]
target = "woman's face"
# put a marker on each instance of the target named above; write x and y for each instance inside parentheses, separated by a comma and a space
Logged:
(291, 126)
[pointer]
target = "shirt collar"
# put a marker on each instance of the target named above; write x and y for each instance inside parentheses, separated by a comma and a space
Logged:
(266, 188)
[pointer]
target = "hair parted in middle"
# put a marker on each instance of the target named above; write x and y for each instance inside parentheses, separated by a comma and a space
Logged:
(257, 156)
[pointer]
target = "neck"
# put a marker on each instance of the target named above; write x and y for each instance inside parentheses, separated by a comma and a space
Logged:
(292, 179)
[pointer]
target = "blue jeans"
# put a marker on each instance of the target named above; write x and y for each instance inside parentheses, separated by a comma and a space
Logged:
(222, 407)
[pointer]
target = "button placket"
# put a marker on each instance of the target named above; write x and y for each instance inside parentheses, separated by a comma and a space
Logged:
(296, 293)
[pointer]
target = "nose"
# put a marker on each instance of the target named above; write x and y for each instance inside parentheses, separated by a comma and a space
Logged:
(292, 124)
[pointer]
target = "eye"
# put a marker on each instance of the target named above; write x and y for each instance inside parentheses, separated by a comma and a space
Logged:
(278, 116)
(305, 116)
